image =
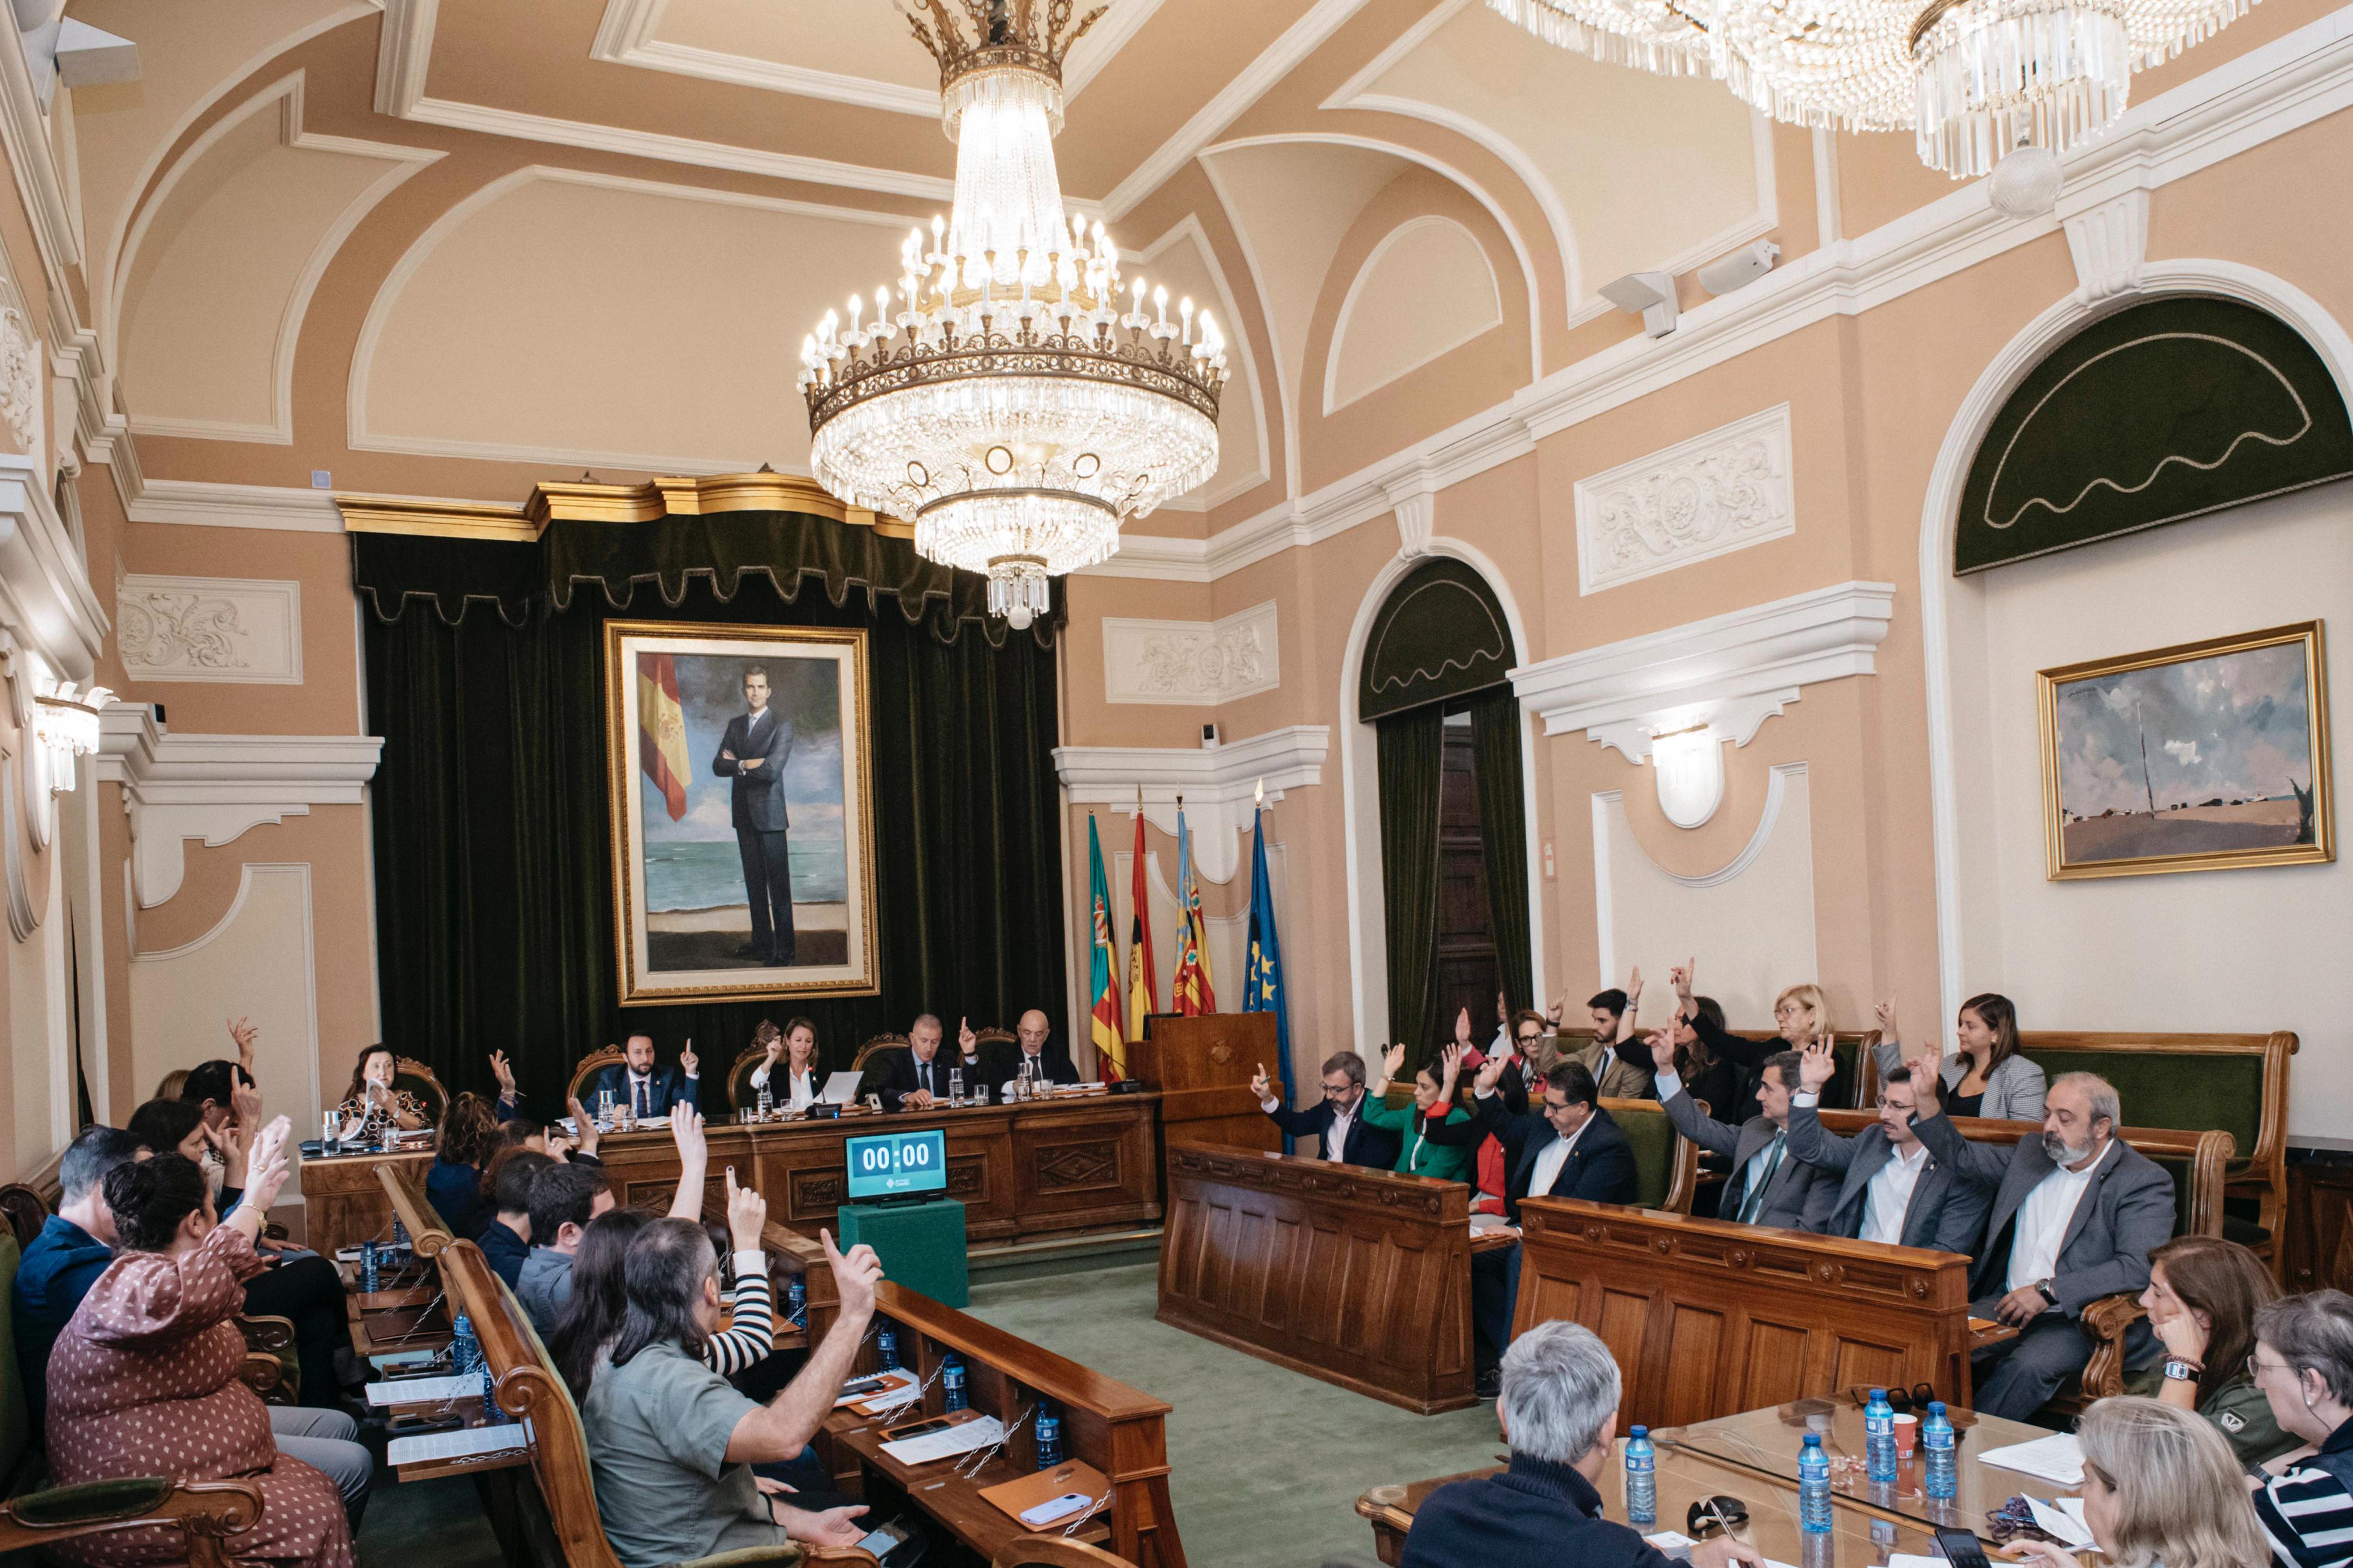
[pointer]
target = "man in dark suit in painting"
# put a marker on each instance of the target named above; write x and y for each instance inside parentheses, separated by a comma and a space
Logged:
(753, 752)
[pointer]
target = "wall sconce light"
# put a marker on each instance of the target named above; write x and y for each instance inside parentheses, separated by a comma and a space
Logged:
(1689, 768)
(67, 726)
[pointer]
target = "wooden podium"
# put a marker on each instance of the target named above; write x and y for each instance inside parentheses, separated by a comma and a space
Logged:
(1202, 1067)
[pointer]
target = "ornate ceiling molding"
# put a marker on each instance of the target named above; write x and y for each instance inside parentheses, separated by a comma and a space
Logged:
(584, 501)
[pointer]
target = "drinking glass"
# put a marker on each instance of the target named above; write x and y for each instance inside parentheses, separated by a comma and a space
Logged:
(330, 1133)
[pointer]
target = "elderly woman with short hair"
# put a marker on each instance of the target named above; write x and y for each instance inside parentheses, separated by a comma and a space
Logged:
(1560, 1411)
(2304, 1363)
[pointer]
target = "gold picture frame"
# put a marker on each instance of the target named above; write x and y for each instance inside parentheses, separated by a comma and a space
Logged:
(2233, 720)
(698, 833)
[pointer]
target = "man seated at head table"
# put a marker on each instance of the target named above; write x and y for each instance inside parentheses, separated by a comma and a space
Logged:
(1891, 1189)
(1571, 1149)
(1047, 1063)
(1769, 1185)
(2076, 1213)
(1559, 1413)
(672, 1443)
(565, 1198)
(1343, 1136)
(915, 1079)
(634, 1082)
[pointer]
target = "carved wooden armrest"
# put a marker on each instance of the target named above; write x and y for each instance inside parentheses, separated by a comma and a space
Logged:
(274, 1335)
(207, 1513)
(2105, 1323)
(265, 1375)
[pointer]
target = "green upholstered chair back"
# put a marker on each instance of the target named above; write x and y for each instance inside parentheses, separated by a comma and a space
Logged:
(2179, 1167)
(1654, 1140)
(2173, 1088)
(15, 1419)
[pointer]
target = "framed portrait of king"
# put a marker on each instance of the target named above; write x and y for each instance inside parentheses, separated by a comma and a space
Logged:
(742, 811)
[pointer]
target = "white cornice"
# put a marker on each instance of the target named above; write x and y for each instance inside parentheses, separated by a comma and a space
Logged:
(45, 601)
(215, 788)
(1668, 679)
(1217, 783)
(235, 506)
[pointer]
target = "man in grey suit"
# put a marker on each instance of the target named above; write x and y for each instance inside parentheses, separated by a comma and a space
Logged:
(1769, 1184)
(2076, 1213)
(753, 752)
(1893, 1189)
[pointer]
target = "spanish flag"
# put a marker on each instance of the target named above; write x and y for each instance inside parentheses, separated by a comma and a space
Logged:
(1102, 969)
(1142, 983)
(1192, 992)
(662, 730)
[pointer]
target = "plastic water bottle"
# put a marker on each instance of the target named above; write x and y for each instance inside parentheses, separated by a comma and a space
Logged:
(465, 1348)
(886, 1347)
(400, 1243)
(492, 1415)
(1049, 1437)
(1642, 1479)
(1937, 1440)
(1814, 1487)
(1879, 1437)
(767, 1102)
(368, 1266)
(952, 1394)
(796, 1301)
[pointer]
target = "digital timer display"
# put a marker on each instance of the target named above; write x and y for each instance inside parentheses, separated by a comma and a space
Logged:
(897, 1163)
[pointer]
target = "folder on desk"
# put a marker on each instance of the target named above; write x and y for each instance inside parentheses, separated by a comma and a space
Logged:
(1010, 1497)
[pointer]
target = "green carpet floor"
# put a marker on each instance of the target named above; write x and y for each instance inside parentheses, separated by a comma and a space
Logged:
(1268, 1464)
(427, 1524)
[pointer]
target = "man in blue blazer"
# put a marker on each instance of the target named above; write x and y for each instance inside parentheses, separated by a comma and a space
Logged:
(1894, 1189)
(635, 1083)
(753, 752)
(1569, 1149)
(1337, 1126)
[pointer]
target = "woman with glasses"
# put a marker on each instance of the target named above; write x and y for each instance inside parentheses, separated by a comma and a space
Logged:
(1801, 1015)
(2161, 1489)
(2304, 1363)
(1989, 1077)
(1433, 1106)
(2202, 1297)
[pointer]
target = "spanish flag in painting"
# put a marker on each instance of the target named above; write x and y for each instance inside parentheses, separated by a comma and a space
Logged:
(1262, 987)
(1190, 992)
(1103, 968)
(662, 730)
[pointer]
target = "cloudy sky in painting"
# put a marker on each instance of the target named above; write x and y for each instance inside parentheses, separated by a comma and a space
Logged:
(2234, 726)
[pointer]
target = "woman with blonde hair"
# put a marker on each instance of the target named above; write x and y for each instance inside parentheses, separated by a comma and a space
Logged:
(1801, 1015)
(2161, 1489)
(1987, 1076)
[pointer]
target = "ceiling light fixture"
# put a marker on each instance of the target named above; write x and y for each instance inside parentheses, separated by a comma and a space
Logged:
(1973, 79)
(1010, 409)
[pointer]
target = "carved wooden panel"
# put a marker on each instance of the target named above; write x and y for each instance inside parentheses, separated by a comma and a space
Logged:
(1708, 1318)
(1360, 1277)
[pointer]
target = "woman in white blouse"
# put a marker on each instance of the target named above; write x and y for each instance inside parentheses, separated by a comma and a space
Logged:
(797, 1046)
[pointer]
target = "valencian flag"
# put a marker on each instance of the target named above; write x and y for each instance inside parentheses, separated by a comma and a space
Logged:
(662, 730)
(1102, 971)
(1262, 986)
(1143, 985)
(1190, 992)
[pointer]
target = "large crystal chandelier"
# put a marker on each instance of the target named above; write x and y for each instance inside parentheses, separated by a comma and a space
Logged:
(1972, 78)
(1022, 401)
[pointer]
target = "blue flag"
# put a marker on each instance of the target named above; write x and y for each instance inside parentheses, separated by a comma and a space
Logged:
(1262, 985)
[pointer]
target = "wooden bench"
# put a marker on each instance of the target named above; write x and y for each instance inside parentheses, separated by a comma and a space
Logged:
(411, 1308)
(2197, 1163)
(1117, 1429)
(2192, 1082)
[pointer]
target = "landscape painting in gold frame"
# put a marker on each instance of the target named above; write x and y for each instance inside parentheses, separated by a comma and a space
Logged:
(2207, 756)
(742, 809)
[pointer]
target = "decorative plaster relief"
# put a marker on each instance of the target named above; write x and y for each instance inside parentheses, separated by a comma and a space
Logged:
(210, 628)
(1705, 497)
(20, 381)
(1192, 663)
(2109, 245)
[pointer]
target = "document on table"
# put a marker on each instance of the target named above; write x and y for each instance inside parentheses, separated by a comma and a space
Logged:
(2064, 1523)
(394, 1358)
(893, 1383)
(2058, 1458)
(423, 1390)
(464, 1443)
(1481, 1224)
(961, 1438)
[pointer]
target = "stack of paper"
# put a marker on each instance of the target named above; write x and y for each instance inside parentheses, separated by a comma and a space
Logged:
(961, 1438)
(423, 1390)
(463, 1443)
(2058, 1458)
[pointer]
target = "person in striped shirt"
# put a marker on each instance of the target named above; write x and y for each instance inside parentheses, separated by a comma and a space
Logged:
(2303, 1365)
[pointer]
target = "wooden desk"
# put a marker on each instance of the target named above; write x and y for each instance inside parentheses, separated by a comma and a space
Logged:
(1685, 1479)
(1708, 1318)
(1117, 1429)
(1318, 1267)
(344, 1201)
(1202, 1067)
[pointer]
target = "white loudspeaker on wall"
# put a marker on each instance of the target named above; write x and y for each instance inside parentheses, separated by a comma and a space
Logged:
(1740, 269)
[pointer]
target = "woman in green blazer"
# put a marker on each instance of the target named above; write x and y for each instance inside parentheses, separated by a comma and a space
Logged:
(1433, 1087)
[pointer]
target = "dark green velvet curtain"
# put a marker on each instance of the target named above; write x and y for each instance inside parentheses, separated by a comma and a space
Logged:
(1411, 747)
(1502, 830)
(494, 895)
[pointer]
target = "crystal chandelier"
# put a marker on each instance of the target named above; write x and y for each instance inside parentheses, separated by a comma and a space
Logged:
(1972, 78)
(1021, 402)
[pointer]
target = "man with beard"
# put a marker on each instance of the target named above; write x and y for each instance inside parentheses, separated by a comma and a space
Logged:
(2076, 1213)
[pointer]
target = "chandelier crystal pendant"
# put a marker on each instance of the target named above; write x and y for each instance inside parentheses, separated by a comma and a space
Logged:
(1021, 402)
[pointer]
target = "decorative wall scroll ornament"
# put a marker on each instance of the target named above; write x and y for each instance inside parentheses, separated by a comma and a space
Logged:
(2163, 410)
(2202, 757)
(1715, 493)
(1015, 408)
(1973, 79)
(1191, 662)
(164, 629)
(214, 630)
(20, 379)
